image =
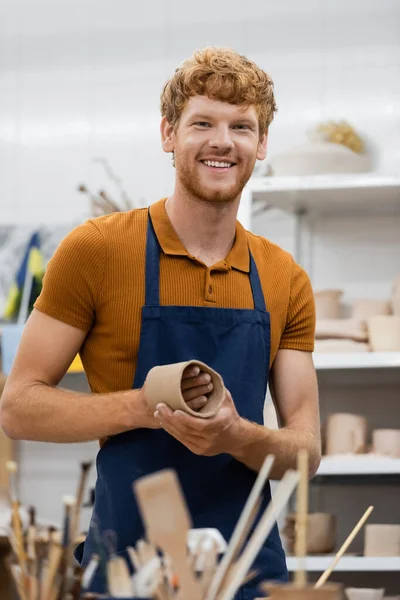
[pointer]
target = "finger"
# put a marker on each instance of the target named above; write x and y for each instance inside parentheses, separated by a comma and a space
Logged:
(191, 371)
(201, 379)
(178, 432)
(195, 392)
(197, 403)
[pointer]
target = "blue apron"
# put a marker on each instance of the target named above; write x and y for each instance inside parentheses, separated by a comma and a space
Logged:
(234, 342)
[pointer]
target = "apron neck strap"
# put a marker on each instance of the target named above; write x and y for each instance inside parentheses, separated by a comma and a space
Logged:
(152, 266)
(153, 272)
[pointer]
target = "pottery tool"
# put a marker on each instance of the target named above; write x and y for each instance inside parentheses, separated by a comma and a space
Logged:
(300, 578)
(69, 503)
(89, 572)
(48, 582)
(167, 522)
(76, 513)
(12, 468)
(31, 553)
(242, 529)
(345, 545)
(261, 532)
(118, 578)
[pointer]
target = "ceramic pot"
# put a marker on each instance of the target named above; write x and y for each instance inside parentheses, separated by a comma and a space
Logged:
(386, 441)
(366, 308)
(382, 540)
(330, 591)
(327, 303)
(364, 593)
(346, 433)
(384, 333)
(163, 384)
(321, 533)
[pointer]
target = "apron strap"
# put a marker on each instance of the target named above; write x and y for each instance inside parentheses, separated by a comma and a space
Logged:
(153, 272)
(152, 266)
(258, 296)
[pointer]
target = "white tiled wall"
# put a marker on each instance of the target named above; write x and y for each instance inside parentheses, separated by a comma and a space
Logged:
(82, 79)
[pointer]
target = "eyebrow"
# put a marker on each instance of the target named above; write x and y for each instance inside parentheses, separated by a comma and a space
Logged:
(203, 117)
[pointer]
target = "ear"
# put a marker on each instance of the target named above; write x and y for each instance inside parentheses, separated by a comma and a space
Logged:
(262, 146)
(167, 135)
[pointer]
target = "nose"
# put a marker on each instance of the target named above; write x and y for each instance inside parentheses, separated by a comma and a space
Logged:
(221, 138)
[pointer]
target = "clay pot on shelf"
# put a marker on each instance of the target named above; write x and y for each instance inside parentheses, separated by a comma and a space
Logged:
(382, 540)
(384, 333)
(386, 441)
(366, 308)
(346, 434)
(321, 533)
(327, 303)
(364, 593)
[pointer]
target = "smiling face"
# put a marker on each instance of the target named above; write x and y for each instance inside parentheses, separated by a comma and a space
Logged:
(215, 146)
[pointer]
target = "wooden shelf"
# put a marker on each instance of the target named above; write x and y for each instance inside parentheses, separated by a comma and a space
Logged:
(371, 193)
(348, 563)
(359, 465)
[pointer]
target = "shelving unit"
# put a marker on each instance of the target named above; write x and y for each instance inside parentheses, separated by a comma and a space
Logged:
(329, 194)
(362, 464)
(360, 383)
(319, 563)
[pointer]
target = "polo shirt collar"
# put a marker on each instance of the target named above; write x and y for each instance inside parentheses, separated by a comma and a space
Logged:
(238, 257)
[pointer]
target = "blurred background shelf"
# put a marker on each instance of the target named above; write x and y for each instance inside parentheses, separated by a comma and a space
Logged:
(359, 465)
(348, 563)
(371, 193)
(363, 360)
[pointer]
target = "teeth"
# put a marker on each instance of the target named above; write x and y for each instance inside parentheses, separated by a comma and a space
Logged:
(214, 163)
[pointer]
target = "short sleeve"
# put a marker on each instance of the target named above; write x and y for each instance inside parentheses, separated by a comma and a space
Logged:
(299, 330)
(73, 278)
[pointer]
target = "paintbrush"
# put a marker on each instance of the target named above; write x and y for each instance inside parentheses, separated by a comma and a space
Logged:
(32, 558)
(76, 513)
(69, 503)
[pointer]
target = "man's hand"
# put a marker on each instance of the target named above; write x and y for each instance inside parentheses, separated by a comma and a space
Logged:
(206, 437)
(195, 386)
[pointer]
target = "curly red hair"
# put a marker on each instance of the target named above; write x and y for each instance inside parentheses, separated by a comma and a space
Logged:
(220, 74)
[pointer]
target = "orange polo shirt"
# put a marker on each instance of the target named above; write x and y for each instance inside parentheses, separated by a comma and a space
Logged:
(96, 281)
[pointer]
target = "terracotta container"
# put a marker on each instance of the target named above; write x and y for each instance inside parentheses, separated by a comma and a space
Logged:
(382, 540)
(346, 433)
(348, 329)
(386, 441)
(327, 303)
(366, 308)
(163, 384)
(330, 591)
(395, 298)
(321, 533)
(384, 333)
(364, 593)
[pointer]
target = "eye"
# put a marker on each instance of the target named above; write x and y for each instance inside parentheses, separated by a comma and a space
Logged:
(202, 124)
(241, 127)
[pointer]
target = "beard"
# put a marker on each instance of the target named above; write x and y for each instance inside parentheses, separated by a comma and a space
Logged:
(190, 180)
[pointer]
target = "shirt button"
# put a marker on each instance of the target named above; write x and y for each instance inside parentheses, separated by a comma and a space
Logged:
(210, 290)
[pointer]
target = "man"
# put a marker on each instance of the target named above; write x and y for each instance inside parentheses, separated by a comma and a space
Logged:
(182, 280)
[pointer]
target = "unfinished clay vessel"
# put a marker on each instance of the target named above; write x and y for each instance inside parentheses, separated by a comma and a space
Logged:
(347, 329)
(366, 308)
(364, 593)
(346, 433)
(321, 533)
(384, 333)
(327, 304)
(330, 591)
(163, 384)
(386, 441)
(395, 299)
(382, 540)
